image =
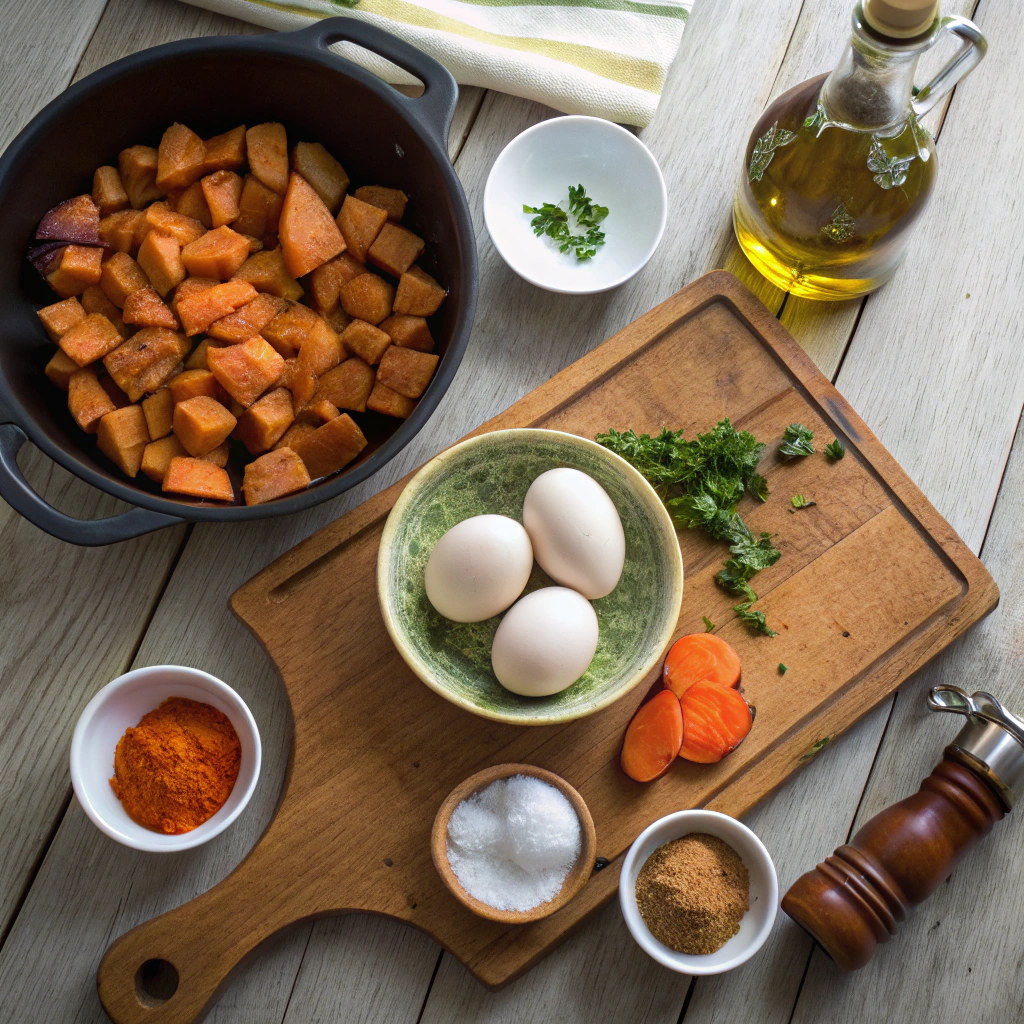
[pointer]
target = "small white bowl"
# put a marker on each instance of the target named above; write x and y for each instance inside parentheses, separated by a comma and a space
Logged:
(119, 705)
(764, 890)
(617, 171)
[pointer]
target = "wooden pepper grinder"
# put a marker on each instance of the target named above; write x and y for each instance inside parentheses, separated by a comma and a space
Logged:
(856, 898)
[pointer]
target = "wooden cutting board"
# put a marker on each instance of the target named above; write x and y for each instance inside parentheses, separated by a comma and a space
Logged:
(871, 584)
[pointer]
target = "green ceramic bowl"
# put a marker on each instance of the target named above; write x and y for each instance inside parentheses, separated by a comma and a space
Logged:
(492, 473)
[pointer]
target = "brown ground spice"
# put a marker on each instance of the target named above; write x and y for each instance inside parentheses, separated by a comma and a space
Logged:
(692, 893)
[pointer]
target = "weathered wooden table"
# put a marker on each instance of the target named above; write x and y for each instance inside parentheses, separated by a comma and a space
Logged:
(934, 362)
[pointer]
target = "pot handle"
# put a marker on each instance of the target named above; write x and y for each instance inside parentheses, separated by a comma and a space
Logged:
(15, 490)
(435, 106)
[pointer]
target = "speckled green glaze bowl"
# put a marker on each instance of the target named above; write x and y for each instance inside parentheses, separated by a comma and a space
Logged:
(491, 474)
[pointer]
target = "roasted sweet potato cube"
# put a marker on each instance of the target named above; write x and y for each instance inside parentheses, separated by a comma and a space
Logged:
(157, 455)
(325, 282)
(406, 371)
(191, 384)
(347, 386)
(392, 200)
(79, 267)
(180, 158)
(337, 320)
(222, 190)
(263, 423)
(367, 297)
(245, 371)
(360, 223)
(121, 276)
(202, 423)
(321, 349)
(198, 478)
(160, 257)
(418, 293)
(249, 319)
(273, 476)
(124, 230)
(219, 253)
(122, 436)
(259, 208)
(318, 412)
(366, 341)
(160, 217)
(389, 403)
(197, 358)
(297, 430)
(137, 165)
(94, 300)
(409, 332)
(395, 249)
(90, 339)
(60, 317)
(88, 402)
(146, 361)
(225, 152)
(219, 455)
(144, 308)
(75, 220)
(266, 272)
(107, 191)
(309, 236)
(191, 202)
(322, 171)
(267, 150)
(299, 380)
(287, 331)
(190, 287)
(117, 396)
(60, 368)
(201, 309)
(330, 447)
(158, 409)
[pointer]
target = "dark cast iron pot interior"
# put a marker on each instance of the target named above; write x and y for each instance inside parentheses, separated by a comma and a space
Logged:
(213, 84)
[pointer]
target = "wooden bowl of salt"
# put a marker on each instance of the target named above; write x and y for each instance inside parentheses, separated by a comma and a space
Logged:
(576, 876)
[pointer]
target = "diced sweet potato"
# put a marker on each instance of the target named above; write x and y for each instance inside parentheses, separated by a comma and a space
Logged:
(202, 423)
(259, 208)
(201, 309)
(330, 447)
(79, 267)
(266, 272)
(107, 191)
(360, 223)
(90, 339)
(409, 332)
(309, 235)
(245, 371)
(392, 200)
(395, 249)
(146, 361)
(88, 402)
(322, 171)
(318, 412)
(122, 436)
(179, 158)
(249, 319)
(367, 297)
(124, 230)
(299, 380)
(191, 286)
(198, 478)
(60, 368)
(160, 257)
(297, 430)
(116, 395)
(191, 202)
(157, 455)
(94, 300)
(273, 476)
(137, 165)
(321, 349)
(60, 317)
(121, 276)
(75, 220)
(263, 423)
(366, 341)
(145, 308)
(267, 149)
(222, 190)
(325, 282)
(197, 358)
(418, 293)
(406, 371)
(219, 253)
(337, 320)
(219, 456)
(158, 409)
(347, 386)
(225, 152)
(191, 384)
(160, 217)
(389, 403)
(287, 331)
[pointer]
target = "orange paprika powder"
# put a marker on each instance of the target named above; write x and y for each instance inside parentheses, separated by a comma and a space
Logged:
(176, 768)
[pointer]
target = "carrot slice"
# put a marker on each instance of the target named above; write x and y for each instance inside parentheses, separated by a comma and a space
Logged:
(653, 738)
(715, 720)
(700, 657)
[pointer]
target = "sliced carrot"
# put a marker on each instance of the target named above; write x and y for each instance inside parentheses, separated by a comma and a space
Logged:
(653, 738)
(700, 657)
(715, 720)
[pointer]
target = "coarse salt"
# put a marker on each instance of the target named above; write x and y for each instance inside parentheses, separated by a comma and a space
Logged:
(512, 844)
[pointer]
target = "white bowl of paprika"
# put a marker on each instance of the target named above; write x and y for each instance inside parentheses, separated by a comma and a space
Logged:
(187, 772)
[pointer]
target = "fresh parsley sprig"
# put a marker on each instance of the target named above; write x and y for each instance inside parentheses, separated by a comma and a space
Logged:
(835, 450)
(553, 221)
(796, 440)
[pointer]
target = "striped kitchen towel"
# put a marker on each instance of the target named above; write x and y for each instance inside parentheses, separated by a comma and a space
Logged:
(603, 57)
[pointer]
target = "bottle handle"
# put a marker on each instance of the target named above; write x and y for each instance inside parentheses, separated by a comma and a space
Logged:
(960, 65)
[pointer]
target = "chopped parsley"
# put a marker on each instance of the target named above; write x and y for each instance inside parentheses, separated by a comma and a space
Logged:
(799, 501)
(783, 669)
(552, 220)
(816, 748)
(835, 451)
(796, 440)
(709, 626)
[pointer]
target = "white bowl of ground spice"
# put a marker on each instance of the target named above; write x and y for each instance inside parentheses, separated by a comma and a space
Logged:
(699, 892)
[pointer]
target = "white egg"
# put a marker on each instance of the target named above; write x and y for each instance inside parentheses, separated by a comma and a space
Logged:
(545, 642)
(576, 531)
(478, 568)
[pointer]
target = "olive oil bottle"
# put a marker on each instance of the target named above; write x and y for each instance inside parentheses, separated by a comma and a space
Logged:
(838, 170)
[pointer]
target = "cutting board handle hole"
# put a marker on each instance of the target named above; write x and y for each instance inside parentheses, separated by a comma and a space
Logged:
(155, 982)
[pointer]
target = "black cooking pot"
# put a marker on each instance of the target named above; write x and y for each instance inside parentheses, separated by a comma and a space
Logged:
(381, 137)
